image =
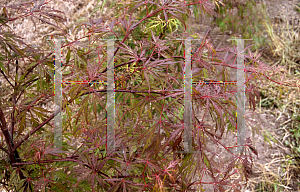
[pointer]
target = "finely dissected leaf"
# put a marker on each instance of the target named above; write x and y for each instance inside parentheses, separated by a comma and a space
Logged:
(41, 109)
(68, 56)
(2, 67)
(207, 163)
(115, 188)
(22, 124)
(27, 101)
(61, 187)
(149, 101)
(39, 114)
(61, 175)
(149, 136)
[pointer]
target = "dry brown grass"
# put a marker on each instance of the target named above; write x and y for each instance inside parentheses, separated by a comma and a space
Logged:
(277, 175)
(282, 173)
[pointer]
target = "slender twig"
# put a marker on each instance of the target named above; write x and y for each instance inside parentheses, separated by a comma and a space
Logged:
(3, 149)
(45, 161)
(35, 130)
(55, 113)
(6, 78)
(29, 82)
(5, 132)
(14, 105)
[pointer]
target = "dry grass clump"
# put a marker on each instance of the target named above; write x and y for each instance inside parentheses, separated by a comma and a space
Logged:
(285, 46)
(286, 43)
(277, 175)
(283, 173)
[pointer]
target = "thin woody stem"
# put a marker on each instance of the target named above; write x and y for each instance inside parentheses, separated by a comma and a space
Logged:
(17, 145)
(7, 136)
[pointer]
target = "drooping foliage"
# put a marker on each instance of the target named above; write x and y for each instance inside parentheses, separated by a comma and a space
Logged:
(149, 60)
